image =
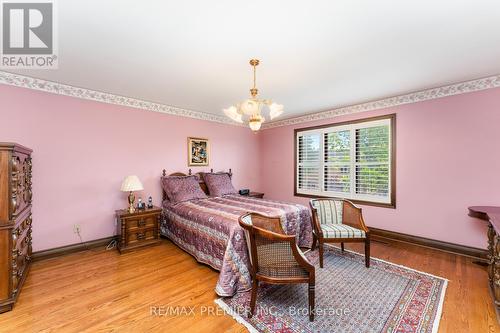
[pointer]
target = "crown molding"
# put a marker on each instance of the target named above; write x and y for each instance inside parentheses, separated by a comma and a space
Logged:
(419, 96)
(93, 95)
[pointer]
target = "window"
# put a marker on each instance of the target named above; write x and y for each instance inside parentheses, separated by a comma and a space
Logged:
(353, 160)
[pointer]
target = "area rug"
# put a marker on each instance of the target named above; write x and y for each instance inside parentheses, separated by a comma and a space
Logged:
(349, 299)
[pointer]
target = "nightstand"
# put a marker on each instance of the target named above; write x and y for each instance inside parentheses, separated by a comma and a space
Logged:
(138, 229)
(256, 195)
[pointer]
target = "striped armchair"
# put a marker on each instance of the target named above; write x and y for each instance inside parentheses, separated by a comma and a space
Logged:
(275, 257)
(338, 220)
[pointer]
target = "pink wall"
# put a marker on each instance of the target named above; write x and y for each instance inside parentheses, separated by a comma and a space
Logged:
(83, 150)
(448, 158)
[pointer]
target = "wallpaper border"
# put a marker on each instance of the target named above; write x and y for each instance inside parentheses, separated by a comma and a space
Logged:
(414, 97)
(93, 95)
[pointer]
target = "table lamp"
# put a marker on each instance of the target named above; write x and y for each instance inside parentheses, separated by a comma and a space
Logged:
(131, 184)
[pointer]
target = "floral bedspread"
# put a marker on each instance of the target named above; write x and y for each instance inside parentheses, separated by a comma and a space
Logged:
(208, 229)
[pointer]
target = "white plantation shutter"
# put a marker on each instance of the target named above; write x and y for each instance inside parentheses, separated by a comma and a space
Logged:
(308, 164)
(337, 162)
(372, 161)
(351, 161)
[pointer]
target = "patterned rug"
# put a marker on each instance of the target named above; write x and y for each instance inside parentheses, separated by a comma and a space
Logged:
(349, 298)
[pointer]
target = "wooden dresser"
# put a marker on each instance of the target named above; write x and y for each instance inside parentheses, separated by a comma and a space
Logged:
(138, 229)
(15, 221)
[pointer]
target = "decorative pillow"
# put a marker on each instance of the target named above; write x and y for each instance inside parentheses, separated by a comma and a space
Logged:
(219, 184)
(182, 188)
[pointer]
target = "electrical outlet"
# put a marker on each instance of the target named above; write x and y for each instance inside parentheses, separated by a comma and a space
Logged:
(76, 228)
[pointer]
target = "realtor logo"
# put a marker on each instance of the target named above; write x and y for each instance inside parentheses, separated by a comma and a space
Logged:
(28, 34)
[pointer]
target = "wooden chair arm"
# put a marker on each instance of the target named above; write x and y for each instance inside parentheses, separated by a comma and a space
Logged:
(302, 260)
(274, 235)
(315, 220)
(353, 216)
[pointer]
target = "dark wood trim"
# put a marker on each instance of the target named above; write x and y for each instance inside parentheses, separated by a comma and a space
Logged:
(392, 117)
(359, 202)
(464, 250)
(348, 122)
(67, 249)
(376, 234)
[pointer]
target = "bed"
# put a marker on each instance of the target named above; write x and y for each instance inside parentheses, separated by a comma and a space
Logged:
(208, 229)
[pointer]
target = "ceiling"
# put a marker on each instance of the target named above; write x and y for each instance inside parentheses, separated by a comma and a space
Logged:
(315, 55)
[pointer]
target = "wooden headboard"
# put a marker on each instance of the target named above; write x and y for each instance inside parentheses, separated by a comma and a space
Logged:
(199, 176)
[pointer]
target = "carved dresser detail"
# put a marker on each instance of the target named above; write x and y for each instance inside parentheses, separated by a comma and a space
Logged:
(15, 221)
(491, 214)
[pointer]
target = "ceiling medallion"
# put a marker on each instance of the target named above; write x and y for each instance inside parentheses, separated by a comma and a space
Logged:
(250, 110)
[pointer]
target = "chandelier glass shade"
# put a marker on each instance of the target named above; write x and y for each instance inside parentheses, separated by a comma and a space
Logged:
(250, 110)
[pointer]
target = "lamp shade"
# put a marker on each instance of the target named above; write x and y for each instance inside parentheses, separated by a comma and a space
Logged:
(131, 183)
(249, 107)
(232, 113)
(275, 110)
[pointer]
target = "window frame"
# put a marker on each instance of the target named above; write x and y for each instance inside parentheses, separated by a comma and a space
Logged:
(337, 127)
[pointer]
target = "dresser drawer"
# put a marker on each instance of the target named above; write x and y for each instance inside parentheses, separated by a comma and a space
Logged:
(18, 270)
(131, 224)
(141, 235)
(21, 234)
(21, 251)
(21, 257)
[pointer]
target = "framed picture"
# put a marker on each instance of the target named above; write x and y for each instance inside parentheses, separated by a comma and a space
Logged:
(198, 151)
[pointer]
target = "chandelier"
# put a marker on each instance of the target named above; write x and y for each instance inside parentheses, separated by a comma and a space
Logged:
(250, 110)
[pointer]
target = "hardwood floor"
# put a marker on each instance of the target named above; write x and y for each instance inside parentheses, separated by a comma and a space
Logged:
(102, 291)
